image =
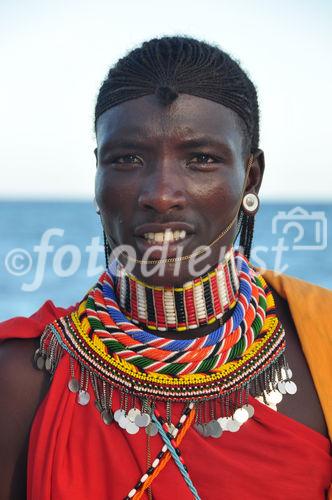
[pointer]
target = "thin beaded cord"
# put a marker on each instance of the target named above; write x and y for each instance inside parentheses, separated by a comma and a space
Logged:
(167, 456)
(148, 461)
(181, 466)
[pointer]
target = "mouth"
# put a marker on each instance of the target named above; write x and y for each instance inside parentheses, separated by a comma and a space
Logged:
(163, 240)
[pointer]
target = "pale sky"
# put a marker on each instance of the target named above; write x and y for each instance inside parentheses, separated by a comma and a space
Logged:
(54, 55)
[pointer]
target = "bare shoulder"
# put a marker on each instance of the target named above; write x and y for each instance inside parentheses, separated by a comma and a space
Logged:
(22, 388)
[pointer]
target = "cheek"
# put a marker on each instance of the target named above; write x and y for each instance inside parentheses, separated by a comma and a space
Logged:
(219, 197)
(114, 195)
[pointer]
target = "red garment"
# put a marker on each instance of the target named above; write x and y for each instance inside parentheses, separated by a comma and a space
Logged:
(74, 455)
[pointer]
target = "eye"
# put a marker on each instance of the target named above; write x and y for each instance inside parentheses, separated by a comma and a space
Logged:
(127, 160)
(203, 159)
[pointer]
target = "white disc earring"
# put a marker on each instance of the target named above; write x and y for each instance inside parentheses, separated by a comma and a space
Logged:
(250, 203)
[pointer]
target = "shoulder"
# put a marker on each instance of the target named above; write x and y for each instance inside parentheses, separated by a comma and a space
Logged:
(20, 382)
(22, 389)
(22, 327)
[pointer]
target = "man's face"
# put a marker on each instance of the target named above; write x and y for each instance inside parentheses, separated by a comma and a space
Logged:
(171, 176)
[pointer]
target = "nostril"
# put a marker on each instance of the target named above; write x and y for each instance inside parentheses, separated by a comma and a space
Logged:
(161, 202)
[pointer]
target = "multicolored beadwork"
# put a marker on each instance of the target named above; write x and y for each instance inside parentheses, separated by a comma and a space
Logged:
(216, 366)
(212, 376)
(199, 302)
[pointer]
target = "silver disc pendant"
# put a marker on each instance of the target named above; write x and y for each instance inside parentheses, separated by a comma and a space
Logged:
(118, 414)
(133, 413)
(151, 429)
(199, 429)
(233, 425)
(281, 387)
(273, 397)
(83, 397)
(241, 415)
(123, 421)
(249, 409)
(73, 385)
(132, 428)
(223, 421)
(290, 387)
(215, 429)
(48, 364)
(36, 355)
(40, 363)
(143, 420)
(107, 416)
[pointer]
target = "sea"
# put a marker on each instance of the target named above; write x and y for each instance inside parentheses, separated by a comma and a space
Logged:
(54, 250)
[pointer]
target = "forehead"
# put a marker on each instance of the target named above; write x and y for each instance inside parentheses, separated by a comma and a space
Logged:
(146, 118)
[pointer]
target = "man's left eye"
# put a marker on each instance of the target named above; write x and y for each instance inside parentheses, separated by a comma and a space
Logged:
(203, 158)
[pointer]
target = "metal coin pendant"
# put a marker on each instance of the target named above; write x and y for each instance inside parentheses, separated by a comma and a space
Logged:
(143, 420)
(233, 426)
(133, 413)
(83, 397)
(123, 421)
(118, 414)
(36, 355)
(241, 415)
(205, 430)
(107, 416)
(73, 385)
(40, 363)
(215, 429)
(199, 429)
(48, 364)
(249, 409)
(223, 421)
(290, 387)
(132, 428)
(273, 397)
(151, 429)
(281, 387)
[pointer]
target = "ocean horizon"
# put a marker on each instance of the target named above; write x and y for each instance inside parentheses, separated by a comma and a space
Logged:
(290, 236)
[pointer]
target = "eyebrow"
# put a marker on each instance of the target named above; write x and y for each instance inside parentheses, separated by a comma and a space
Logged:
(195, 142)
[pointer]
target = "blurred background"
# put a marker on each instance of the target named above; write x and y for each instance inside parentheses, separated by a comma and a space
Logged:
(54, 56)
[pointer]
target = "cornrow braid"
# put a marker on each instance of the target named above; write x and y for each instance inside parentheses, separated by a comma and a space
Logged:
(169, 66)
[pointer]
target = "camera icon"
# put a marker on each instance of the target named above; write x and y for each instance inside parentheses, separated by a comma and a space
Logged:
(310, 228)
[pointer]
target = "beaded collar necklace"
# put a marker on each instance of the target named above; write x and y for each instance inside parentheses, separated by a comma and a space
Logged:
(211, 376)
(199, 302)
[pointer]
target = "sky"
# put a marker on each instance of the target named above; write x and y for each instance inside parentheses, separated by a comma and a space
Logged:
(54, 56)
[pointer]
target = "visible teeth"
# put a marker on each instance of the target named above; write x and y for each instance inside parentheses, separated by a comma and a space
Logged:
(167, 236)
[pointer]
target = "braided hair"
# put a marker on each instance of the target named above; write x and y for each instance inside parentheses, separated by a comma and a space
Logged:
(169, 66)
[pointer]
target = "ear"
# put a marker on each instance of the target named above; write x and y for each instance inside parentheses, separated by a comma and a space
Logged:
(255, 174)
(96, 156)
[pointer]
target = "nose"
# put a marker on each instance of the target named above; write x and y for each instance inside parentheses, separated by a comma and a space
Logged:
(162, 192)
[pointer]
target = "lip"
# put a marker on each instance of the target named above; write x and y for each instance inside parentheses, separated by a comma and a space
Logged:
(168, 250)
(155, 227)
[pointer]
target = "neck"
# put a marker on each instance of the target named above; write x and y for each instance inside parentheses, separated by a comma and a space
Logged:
(191, 309)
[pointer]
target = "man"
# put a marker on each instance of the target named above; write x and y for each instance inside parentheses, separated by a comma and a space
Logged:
(178, 170)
